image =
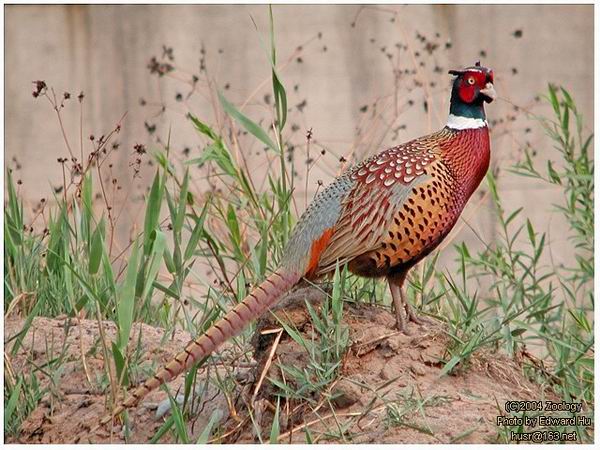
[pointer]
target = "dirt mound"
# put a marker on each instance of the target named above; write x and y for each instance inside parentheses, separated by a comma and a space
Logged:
(76, 401)
(389, 389)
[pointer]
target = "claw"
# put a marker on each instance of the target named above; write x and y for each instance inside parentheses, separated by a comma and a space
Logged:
(401, 323)
(402, 328)
(412, 317)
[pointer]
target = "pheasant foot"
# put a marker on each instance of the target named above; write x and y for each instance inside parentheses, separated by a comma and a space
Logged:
(410, 313)
(402, 309)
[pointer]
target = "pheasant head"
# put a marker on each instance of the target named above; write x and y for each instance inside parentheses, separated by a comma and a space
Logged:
(472, 87)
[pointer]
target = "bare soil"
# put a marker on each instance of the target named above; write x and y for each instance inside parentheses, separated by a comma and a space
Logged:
(389, 389)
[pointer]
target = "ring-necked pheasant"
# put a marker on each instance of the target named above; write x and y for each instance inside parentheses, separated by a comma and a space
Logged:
(381, 217)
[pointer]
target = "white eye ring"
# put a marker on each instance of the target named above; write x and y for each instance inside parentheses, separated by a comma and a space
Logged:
(471, 80)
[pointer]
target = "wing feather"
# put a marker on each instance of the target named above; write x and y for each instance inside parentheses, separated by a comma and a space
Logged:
(383, 183)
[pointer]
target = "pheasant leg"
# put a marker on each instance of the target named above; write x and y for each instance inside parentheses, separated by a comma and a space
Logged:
(410, 313)
(402, 306)
(398, 305)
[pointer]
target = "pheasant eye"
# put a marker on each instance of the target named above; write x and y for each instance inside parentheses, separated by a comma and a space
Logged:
(471, 80)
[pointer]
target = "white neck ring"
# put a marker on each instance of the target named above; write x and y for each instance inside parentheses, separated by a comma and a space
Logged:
(465, 123)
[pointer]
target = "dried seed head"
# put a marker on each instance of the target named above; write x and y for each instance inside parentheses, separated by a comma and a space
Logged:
(39, 88)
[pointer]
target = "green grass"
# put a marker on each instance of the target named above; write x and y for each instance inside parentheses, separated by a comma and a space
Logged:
(326, 348)
(408, 410)
(503, 298)
(529, 304)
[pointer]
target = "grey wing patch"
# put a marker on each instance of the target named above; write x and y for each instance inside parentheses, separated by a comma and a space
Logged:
(322, 213)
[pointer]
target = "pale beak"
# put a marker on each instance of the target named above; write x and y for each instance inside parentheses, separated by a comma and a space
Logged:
(489, 93)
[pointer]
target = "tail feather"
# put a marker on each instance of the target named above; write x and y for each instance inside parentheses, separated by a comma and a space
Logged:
(254, 305)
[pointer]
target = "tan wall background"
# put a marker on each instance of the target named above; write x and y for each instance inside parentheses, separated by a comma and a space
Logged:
(104, 52)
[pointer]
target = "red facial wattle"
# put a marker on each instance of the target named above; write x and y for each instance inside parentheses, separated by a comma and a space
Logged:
(471, 83)
(467, 92)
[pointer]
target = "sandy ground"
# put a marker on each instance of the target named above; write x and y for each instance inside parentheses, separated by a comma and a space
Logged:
(385, 375)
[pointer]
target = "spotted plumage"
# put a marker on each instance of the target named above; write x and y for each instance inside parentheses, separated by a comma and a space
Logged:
(380, 218)
(385, 226)
(400, 164)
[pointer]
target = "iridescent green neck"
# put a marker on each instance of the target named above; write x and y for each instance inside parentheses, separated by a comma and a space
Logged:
(459, 108)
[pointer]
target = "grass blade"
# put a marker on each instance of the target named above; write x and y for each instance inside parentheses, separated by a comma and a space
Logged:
(206, 433)
(12, 403)
(152, 211)
(248, 124)
(126, 298)
(196, 233)
(159, 243)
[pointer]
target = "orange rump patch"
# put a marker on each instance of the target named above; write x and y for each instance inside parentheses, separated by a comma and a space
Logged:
(316, 249)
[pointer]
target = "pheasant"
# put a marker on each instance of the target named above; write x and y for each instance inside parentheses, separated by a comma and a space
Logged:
(380, 218)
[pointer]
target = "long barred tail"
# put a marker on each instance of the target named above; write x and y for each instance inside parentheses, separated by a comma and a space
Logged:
(254, 305)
